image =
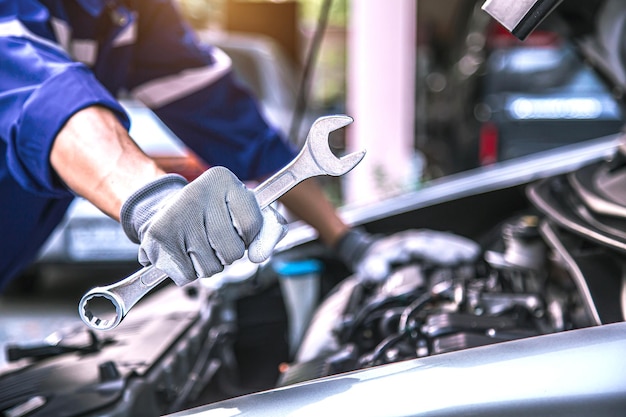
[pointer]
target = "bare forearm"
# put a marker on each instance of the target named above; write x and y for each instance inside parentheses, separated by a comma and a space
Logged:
(96, 158)
(308, 202)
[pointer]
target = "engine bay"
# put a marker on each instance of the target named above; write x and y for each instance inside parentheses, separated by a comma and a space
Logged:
(545, 265)
(520, 288)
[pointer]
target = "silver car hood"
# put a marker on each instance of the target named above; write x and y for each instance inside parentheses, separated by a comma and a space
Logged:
(574, 373)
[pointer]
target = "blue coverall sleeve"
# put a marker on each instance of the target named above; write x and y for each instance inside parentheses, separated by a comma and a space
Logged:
(220, 120)
(41, 87)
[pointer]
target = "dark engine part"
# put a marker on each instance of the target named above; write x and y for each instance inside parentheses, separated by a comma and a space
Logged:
(158, 361)
(516, 290)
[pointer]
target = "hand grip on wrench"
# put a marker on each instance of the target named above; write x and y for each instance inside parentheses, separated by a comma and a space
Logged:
(315, 158)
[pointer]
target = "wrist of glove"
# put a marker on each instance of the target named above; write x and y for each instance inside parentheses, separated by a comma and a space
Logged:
(352, 247)
(192, 230)
(372, 258)
(144, 203)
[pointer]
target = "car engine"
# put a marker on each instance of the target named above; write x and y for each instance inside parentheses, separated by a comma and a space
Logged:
(519, 288)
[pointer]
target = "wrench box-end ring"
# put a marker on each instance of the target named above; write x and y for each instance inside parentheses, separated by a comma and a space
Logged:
(101, 310)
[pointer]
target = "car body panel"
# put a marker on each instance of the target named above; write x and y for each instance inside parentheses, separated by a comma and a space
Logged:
(574, 373)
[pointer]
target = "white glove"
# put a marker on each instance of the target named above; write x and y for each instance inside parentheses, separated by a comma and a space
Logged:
(193, 230)
(372, 258)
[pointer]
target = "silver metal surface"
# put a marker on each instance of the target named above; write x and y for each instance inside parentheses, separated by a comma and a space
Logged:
(623, 297)
(549, 235)
(103, 308)
(509, 13)
(603, 204)
(481, 180)
(574, 373)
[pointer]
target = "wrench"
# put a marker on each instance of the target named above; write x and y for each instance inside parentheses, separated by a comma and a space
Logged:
(315, 158)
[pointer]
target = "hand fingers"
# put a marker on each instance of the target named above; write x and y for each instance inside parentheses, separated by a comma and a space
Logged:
(181, 269)
(273, 230)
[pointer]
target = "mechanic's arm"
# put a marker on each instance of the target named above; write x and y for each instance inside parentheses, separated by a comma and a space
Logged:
(64, 132)
(95, 157)
(186, 230)
(308, 202)
(369, 256)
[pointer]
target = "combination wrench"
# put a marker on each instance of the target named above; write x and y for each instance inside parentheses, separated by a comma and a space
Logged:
(315, 158)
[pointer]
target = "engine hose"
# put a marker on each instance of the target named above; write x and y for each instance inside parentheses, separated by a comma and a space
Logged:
(381, 348)
(363, 314)
(413, 308)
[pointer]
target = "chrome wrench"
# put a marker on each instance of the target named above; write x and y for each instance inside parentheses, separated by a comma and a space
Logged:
(315, 158)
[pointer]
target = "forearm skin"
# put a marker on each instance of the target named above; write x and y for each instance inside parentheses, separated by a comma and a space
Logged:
(96, 158)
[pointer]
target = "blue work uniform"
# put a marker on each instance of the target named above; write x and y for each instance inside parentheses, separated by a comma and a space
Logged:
(59, 56)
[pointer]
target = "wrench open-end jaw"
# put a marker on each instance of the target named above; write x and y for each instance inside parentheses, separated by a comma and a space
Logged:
(103, 308)
(316, 158)
(318, 146)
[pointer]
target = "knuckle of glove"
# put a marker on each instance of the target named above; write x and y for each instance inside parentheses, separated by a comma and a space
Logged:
(233, 218)
(224, 216)
(245, 212)
(246, 216)
(273, 230)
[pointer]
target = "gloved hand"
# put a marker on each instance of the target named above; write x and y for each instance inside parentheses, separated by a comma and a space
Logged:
(372, 258)
(193, 230)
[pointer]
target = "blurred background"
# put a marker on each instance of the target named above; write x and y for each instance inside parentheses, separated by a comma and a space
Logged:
(435, 87)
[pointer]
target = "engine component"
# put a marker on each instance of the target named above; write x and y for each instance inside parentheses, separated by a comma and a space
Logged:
(138, 370)
(516, 291)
